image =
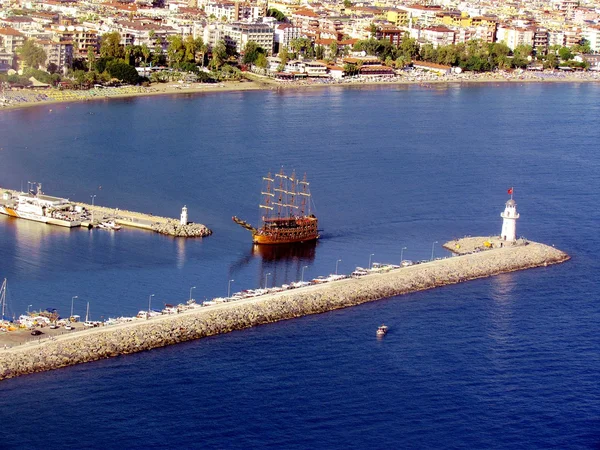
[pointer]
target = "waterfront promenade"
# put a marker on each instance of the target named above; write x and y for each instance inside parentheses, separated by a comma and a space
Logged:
(140, 335)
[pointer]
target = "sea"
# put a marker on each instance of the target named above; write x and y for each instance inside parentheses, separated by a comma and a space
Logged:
(511, 361)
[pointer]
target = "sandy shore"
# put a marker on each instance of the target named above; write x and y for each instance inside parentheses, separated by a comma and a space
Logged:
(25, 98)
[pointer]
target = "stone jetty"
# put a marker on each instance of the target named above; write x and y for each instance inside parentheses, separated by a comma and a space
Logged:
(92, 215)
(477, 260)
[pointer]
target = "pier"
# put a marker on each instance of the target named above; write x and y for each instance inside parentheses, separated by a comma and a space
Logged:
(77, 214)
(476, 257)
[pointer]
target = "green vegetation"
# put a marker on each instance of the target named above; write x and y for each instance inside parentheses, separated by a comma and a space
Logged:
(279, 16)
(32, 54)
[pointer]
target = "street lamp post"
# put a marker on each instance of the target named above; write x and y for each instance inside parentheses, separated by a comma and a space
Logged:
(266, 280)
(336, 265)
(72, 299)
(191, 289)
(372, 254)
(149, 303)
(93, 197)
(402, 255)
(433, 248)
(304, 267)
(229, 288)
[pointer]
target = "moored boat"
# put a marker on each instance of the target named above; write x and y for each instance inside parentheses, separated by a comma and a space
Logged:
(39, 207)
(109, 225)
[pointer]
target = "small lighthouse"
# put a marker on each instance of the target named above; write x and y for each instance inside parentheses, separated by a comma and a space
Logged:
(184, 216)
(509, 222)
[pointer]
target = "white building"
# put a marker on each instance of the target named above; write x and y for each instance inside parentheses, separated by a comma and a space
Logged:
(285, 33)
(515, 36)
(509, 221)
(592, 35)
(239, 34)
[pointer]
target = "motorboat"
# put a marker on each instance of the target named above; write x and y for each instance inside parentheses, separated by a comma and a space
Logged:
(109, 225)
(382, 330)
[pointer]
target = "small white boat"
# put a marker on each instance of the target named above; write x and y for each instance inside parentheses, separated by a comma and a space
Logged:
(109, 225)
(382, 330)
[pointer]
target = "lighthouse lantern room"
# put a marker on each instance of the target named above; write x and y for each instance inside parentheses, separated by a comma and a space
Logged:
(509, 222)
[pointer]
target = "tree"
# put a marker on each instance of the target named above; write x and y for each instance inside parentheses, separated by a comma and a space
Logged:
(91, 54)
(145, 53)
(409, 47)
(428, 53)
(157, 55)
(111, 45)
(79, 76)
(333, 49)
(319, 52)
(251, 52)
(347, 3)
(175, 50)
(201, 48)
(565, 54)
(551, 61)
(128, 53)
(219, 55)
(351, 69)
(261, 61)
(122, 71)
(32, 54)
(279, 16)
(51, 68)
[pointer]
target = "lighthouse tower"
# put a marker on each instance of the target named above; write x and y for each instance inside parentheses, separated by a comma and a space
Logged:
(509, 222)
(184, 216)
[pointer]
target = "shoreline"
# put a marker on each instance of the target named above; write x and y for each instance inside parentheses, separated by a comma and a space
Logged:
(131, 337)
(255, 83)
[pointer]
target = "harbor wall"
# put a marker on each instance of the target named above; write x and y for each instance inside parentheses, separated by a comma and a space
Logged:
(140, 335)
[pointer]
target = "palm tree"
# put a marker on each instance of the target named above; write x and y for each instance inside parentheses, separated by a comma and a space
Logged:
(145, 53)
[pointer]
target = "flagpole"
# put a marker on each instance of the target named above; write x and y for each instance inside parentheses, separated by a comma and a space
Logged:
(512, 191)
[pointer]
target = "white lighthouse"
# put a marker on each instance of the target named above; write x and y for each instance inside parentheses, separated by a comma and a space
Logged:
(184, 216)
(509, 222)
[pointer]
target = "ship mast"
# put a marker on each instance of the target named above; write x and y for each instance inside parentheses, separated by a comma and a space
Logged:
(287, 193)
(3, 299)
(268, 195)
(305, 194)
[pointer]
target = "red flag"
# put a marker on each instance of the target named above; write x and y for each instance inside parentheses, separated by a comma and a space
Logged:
(510, 191)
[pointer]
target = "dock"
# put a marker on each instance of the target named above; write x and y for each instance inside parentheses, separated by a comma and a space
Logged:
(475, 257)
(91, 216)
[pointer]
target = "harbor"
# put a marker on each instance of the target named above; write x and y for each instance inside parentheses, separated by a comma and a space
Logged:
(223, 315)
(37, 206)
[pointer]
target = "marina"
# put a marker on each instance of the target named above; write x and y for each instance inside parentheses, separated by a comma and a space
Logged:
(246, 309)
(35, 205)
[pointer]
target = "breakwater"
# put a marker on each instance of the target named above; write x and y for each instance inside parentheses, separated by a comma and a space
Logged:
(106, 342)
(90, 216)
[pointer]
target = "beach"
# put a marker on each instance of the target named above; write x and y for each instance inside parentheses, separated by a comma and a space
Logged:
(22, 98)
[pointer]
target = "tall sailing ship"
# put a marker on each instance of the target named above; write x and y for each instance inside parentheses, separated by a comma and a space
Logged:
(285, 210)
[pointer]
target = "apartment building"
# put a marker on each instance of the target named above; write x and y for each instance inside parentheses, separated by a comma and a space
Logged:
(238, 34)
(515, 36)
(11, 39)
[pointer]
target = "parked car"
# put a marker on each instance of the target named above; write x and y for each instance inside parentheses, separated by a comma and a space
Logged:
(36, 332)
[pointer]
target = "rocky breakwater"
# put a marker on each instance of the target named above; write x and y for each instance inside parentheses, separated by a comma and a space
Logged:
(138, 336)
(175, 228)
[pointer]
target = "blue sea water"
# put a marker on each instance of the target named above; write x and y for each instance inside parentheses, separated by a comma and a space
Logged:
(506, 362)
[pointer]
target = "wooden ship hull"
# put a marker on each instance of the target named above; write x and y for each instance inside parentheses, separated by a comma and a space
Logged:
(291, 230)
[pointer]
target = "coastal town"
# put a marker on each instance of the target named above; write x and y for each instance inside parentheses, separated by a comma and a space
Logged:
(65, 50)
